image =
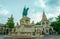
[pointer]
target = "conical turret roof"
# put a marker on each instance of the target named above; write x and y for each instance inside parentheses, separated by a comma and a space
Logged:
(44, 18)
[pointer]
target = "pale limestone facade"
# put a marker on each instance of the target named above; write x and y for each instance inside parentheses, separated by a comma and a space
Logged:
(45, 24)
(27, 29)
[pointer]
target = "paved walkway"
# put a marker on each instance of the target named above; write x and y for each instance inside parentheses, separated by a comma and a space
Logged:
(42, 37)
(50, 37)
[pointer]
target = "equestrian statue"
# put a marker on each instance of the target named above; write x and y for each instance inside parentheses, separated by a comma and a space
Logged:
(25, 11)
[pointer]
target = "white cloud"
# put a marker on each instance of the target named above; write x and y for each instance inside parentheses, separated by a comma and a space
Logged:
(40, 3)
(36, 17)
(52, 12)
(58, 9)
(4, 12)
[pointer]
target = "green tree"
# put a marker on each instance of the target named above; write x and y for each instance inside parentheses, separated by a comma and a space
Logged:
(10, 22)
(56, 24)
(58, 18)
(38, 23)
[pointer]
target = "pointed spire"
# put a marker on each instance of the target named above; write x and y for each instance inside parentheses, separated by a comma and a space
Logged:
(17, 23)
(11, 15)
(44, 16)
(32, 22)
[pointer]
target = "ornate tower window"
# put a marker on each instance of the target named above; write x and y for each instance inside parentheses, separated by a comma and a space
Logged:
(46, 22)
(43, 23)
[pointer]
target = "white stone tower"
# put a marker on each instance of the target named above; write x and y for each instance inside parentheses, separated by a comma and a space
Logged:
(45, 24)
(44, 21)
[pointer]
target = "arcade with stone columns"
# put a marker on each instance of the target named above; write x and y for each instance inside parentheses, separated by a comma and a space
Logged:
(27, 29)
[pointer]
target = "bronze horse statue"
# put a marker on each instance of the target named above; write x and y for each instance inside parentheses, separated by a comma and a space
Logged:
(25, 11)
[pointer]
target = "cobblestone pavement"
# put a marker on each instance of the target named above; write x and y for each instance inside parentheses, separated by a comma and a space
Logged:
(44, 37)
(50, 37)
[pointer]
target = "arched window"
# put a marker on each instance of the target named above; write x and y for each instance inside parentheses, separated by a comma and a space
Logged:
(33, 33)
(47, 31)
(46, 22)
(43, 23)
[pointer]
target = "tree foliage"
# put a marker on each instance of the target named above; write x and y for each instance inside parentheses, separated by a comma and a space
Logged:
(38, 23)
(10, 22)
(56, 24)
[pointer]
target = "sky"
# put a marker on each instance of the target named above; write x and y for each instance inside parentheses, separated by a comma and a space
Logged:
(36, 7)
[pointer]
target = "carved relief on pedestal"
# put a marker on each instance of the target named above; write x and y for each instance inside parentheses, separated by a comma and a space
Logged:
(25, 20)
